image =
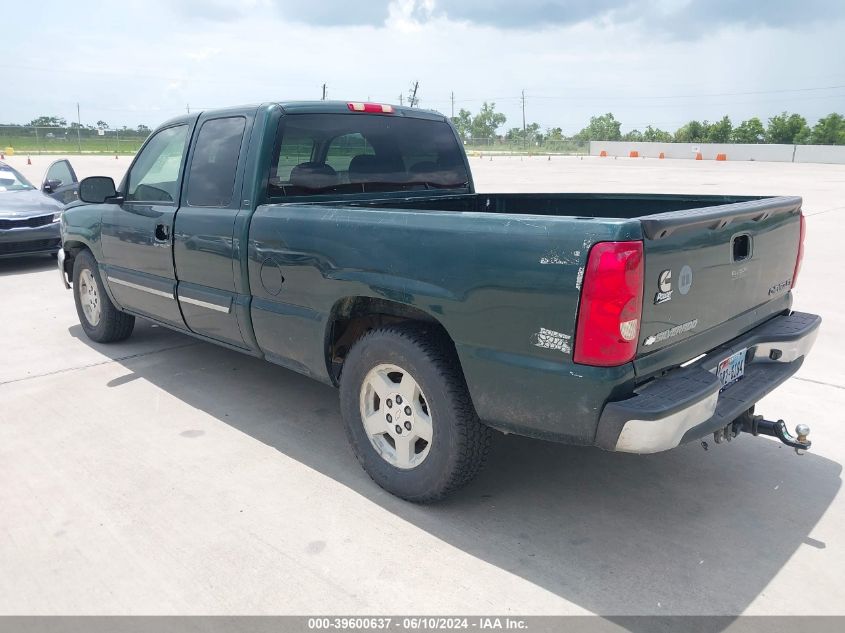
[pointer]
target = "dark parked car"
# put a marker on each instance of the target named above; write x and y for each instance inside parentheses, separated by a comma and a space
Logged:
(29, 218)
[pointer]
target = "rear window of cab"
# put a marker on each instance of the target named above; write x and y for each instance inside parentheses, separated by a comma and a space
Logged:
(359, 153)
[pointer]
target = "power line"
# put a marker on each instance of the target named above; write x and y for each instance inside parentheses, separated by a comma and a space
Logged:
(710, 94)
(570, 96)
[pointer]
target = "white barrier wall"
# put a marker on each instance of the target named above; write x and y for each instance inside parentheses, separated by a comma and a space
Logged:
(820, 154)
(733, 151)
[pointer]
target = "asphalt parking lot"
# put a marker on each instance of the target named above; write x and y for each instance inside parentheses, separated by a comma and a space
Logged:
(165, 475)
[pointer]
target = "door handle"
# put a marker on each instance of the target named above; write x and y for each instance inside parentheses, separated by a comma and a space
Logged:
(162, 233)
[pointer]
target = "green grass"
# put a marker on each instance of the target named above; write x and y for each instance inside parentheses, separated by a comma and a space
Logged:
(517, 147)
(93, 144)
(25, 144)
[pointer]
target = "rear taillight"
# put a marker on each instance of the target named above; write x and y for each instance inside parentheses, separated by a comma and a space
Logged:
(378, 108)
(611, 305)
(800, 256)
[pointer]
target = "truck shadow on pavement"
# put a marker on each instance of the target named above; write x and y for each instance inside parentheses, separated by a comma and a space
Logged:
(29, 264)
(684, 532)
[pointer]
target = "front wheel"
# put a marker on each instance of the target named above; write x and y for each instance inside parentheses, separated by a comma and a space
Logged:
(408, 414)
(100, 319)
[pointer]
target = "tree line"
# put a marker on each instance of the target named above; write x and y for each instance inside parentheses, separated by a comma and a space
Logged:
(85, 129)
(788, 128)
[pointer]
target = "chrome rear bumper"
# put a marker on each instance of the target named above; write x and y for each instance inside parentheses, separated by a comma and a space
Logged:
(686, 404)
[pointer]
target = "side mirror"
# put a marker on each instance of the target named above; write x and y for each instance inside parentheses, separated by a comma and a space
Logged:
(98, 189)
(51, 185)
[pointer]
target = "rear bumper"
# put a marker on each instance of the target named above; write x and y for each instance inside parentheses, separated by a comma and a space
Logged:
(685, 404)
(30, 241)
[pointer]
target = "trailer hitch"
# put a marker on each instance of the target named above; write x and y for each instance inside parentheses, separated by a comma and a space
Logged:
(757, 425)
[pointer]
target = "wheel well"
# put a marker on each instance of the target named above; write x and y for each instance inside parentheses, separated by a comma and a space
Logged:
(353, 317)
(72, 249)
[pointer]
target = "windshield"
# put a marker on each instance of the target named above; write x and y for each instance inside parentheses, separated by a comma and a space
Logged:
(11, 180)
(360, 153)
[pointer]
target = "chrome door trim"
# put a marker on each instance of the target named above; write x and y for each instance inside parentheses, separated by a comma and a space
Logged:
(206, 304)
(152, 291)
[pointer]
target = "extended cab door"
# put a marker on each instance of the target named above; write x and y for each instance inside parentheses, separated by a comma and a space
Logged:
(203, 246)
(137, 234)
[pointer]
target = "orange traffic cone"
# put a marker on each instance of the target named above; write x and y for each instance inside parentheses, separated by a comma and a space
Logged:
(699, 156)
(633, 154)
(662, 155)
(603, 153)
(721, 157)
(28, 160)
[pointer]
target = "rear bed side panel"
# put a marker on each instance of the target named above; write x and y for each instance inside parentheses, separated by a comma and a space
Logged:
(505, 288)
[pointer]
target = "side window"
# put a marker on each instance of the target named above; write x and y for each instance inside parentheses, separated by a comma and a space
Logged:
(61, 171)
(211, 179)
(344, 148)
(155, 175)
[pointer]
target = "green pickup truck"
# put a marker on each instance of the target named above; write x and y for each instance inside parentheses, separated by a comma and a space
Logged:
(346, 241)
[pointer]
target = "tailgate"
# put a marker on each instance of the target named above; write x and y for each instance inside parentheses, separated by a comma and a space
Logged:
(705, 266)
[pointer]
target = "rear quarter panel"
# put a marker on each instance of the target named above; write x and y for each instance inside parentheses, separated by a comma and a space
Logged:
(505, 288)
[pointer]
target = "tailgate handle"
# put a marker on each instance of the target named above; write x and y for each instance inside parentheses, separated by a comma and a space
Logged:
(741, 247)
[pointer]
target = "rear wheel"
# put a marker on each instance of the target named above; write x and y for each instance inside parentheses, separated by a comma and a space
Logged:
(100, 319)
(408, 413)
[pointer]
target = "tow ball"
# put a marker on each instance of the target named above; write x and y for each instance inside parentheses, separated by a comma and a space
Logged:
(757, 425)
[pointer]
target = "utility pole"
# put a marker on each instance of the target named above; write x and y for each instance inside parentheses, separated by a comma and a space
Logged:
(78, 128)
(188, 108)
(401, 99)
(324, 92)
(414, 94)
(524, 133)
(453, 104)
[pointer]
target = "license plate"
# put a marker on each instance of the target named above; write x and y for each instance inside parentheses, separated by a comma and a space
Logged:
(732, 368)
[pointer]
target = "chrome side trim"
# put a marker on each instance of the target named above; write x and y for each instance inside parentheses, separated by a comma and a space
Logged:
(152, 291)
(653, 436)
(206, 304)
(60, 260)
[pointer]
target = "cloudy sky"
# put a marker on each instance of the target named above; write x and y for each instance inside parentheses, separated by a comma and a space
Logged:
(657, 62)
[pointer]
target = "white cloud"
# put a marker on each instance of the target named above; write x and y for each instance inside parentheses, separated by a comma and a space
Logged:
(156, 56)
(203, 54)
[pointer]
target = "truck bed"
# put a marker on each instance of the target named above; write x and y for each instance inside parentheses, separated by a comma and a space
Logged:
(585, 205)
(689, 235)
(503, 272)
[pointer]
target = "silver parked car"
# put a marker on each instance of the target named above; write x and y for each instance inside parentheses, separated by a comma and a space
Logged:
(29, 217)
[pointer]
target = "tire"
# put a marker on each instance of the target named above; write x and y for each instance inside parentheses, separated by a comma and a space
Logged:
(442, 411)
(100, 319)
